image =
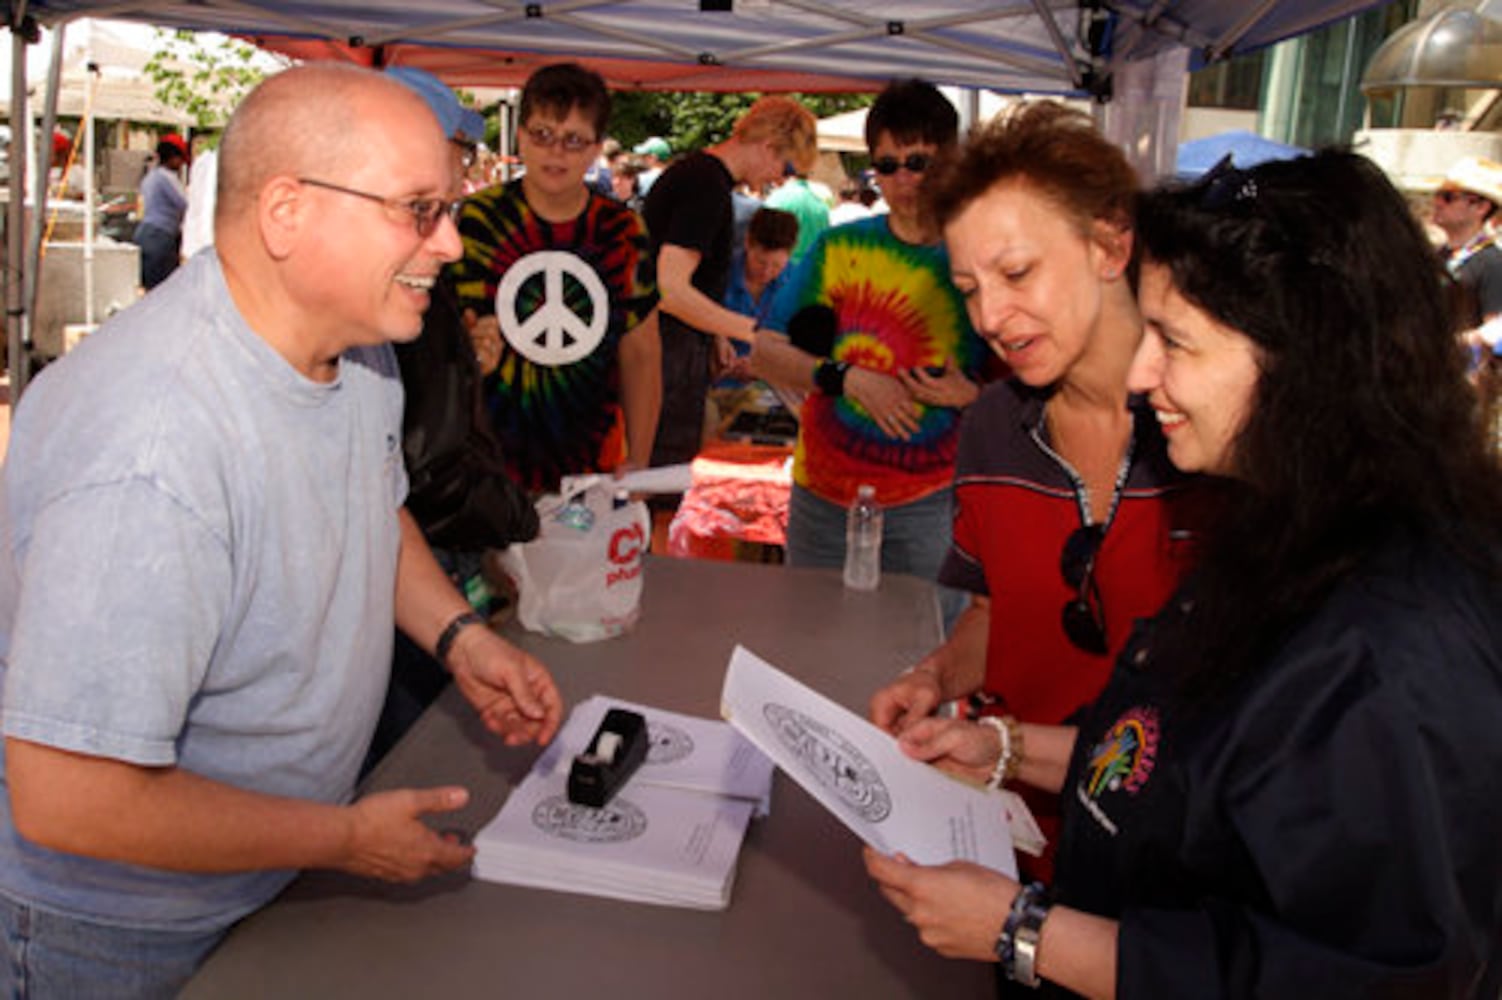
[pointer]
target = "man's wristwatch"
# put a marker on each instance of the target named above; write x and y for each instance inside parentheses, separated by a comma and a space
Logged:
(830, 377)
(451, 632)
(1017, 944)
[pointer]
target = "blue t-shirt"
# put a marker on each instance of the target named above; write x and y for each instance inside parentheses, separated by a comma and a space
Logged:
(198, 551)
(738, 299)
(163, 200)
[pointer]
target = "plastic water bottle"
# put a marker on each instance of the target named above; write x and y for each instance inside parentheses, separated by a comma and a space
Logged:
(863, 541)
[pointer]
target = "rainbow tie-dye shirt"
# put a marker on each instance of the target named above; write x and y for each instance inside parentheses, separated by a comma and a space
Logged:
(564, 294)
(896, 309)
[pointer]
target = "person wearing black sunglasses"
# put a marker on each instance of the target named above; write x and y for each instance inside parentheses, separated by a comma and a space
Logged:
(1465, 209)
(1288, 787)
(890, 364)
(1071, 523)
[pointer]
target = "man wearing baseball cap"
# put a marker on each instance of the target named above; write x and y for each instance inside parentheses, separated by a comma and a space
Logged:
(464, 126)
(66, 177)
(163, 202)
(654, 153)
(458, 490)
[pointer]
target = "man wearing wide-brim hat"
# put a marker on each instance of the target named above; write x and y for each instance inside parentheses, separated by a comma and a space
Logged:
(1464, 206)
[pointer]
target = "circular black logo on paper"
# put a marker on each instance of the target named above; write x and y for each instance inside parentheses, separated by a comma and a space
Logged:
(667, 744)
(833, 761)
(615, 823)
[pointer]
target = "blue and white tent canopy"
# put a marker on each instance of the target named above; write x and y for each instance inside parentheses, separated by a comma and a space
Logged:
(1073, 47)
(1038, 46)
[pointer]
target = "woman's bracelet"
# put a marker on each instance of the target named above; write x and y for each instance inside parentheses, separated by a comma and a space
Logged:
(1009, 761)
(1017, 944)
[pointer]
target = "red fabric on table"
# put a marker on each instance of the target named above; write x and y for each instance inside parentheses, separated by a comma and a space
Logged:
(739, 496)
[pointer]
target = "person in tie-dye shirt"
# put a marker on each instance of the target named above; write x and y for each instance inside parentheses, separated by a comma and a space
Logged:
(870, 326)
(560, 282)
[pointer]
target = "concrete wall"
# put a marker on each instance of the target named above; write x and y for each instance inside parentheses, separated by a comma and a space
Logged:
(1417, 159)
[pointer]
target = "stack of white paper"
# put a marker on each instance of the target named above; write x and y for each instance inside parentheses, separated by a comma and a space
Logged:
(671, 836)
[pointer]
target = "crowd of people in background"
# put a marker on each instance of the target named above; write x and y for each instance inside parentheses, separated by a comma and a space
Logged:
(1197, 471)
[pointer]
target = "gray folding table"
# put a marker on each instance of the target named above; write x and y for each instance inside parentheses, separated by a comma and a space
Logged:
(804, 919)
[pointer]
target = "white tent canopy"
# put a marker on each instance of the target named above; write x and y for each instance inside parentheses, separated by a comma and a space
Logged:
(104, 72)
(846, 131)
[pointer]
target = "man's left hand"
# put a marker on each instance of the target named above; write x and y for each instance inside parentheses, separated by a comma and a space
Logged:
(513, 692)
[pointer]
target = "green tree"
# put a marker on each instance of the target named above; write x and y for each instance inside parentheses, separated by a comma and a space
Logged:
(694, 120)
(206, 77)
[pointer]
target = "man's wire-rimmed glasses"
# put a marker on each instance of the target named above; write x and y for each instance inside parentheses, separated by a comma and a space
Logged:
(424, 212)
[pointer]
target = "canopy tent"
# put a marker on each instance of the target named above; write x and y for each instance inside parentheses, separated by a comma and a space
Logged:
(1021, 46)
(104, 74)
(846, 132)
(125, 99)
(1037, 46)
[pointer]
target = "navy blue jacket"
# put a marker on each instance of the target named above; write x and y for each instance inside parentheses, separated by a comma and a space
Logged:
(1334, 829)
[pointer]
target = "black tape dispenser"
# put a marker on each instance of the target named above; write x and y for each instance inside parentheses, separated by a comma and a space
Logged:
(618, 748)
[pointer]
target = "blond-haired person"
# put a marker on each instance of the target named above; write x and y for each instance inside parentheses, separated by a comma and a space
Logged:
(691, 221)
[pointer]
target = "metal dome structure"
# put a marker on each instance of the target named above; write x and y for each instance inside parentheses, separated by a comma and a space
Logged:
(1457, 47)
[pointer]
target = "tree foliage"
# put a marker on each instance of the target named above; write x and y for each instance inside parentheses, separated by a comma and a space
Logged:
(205, 77)
(690, 121)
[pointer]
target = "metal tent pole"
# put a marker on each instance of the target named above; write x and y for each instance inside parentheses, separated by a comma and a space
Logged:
(15, 223)
(40, 185)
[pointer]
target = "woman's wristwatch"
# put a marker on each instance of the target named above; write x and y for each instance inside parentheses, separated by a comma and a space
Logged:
(1017, 944)
(829, 377)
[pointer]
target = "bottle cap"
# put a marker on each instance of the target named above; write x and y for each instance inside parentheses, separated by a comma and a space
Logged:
(576, 514)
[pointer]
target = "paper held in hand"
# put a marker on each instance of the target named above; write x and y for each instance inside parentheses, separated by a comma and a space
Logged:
(857, 772)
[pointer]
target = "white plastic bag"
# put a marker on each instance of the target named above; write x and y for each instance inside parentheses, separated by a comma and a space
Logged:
(581, 578)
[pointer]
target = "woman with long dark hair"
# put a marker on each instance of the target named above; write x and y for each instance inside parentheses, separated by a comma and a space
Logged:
(1289, 785)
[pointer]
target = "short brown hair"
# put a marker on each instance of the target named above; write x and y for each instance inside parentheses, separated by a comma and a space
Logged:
(1052, 148)
(562, 87)
(773, 229)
